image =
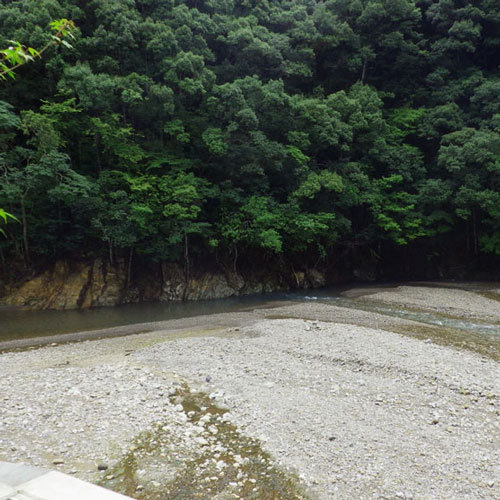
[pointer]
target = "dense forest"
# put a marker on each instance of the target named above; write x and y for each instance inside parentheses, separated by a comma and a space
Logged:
(286, 132)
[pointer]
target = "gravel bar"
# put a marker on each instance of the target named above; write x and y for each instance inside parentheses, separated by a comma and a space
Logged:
(355, 410)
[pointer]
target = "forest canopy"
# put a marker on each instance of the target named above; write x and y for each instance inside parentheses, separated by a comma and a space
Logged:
(214, 129)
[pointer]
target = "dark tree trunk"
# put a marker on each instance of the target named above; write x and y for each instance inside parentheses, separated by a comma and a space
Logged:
(24, 222)
(363, 73)
(235, 259)
(186, 257)
(111, 260)
(129, 268)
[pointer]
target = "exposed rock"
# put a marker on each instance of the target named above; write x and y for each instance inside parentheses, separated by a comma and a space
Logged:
(199, 287)
(367, 272)
(209, 286)
(316, 278)
(310, 278)
(300, 278)
(235, 280)
(46, 290)
(70, 285)
(105, 286)
(253, 287)
(174, 283)
(81, 285)
(265, 284)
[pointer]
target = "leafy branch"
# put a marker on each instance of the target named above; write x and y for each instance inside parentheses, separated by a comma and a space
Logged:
(5, 216)
(17, 55)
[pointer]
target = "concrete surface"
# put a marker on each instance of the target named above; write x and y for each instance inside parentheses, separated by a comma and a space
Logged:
(21, 482)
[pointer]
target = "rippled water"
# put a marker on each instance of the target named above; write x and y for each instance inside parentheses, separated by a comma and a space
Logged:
(475, 335)
(429, 318)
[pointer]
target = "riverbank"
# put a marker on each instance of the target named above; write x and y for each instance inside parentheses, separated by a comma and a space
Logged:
(455, 302)
(233, 405)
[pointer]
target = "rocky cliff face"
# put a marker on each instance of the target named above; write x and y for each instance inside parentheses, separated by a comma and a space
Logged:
(70, 285)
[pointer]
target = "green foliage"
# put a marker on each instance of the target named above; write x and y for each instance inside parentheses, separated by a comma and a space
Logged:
(491, 243)
(314, 182)
(405, 121)
(250, 129)
(394, 210)
(16, 54)
(214, 140)
(117, 142)
(4, 217)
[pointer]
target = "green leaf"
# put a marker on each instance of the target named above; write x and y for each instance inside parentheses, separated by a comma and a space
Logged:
(33, 52)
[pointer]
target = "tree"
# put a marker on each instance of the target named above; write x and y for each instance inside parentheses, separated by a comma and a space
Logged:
(205, 132)
(16, 55)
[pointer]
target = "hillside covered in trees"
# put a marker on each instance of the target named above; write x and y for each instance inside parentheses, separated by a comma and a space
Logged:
(284, 132)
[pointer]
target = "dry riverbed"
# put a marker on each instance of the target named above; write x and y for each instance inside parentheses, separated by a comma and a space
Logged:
(298, 401)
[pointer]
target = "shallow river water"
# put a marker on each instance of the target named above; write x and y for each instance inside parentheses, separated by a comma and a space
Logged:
(22, 324)
(19, 323)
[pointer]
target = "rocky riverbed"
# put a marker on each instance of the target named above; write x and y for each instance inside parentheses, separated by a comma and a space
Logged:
(455, 302)
(298, 401)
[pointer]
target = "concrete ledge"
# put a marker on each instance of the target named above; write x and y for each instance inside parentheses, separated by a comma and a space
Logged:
(58, 486)
(19, 482)
(15, 474)
(6, 491)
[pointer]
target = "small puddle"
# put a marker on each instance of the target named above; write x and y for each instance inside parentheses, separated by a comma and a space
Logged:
(229, 465)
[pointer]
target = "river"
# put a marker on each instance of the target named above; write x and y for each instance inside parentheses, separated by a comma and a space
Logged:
(24, 324)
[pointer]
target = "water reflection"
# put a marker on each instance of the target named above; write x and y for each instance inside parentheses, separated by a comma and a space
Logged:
(18, 324)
